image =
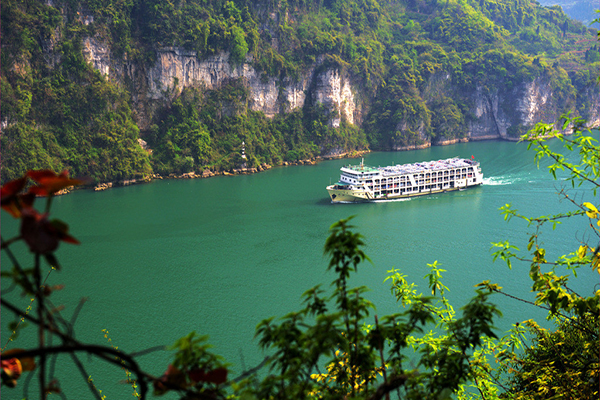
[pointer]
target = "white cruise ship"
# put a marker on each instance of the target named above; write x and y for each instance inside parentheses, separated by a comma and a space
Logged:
(363, 183)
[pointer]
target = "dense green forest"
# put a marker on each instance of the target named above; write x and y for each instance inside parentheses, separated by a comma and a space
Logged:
(59, 112)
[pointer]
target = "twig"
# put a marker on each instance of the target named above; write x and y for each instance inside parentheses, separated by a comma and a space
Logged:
(86, 376)
(103, 352)
(147, 351)
(26, 283)
(76, 314)
(41, 333)
(72, 345)
(395, 382)
(8, 242)
(34, 294)
(387, 395)
(252, 370)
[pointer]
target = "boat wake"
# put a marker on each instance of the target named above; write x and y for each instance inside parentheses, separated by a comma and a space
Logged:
(500, 180)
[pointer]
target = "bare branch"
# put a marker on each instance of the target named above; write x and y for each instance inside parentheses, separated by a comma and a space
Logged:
(393, 382)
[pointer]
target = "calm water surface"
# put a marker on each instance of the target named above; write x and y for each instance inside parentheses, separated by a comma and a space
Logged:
(219, 255)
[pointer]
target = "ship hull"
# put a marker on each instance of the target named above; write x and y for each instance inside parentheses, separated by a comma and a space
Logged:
(347, 196)
(360, 196)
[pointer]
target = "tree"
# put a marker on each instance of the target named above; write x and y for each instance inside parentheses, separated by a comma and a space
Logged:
(336, 330)
(565, 361)
(239, 47)
(562, 363)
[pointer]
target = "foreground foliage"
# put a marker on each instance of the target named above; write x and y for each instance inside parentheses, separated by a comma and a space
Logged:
(333, 347)
(563, 362)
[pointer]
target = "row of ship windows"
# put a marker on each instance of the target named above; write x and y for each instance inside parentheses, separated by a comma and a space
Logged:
(420, 178)
(414, 189)
(427, 175)
(434, 179)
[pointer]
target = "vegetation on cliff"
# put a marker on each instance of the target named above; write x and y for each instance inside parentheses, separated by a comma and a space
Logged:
(416, 63)
(57, 111)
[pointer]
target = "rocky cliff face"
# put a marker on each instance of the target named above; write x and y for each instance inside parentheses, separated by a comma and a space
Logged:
(334, 90)
(176, 69)
(494, 112)
(490, 122)
(497, 111)
(534, 101)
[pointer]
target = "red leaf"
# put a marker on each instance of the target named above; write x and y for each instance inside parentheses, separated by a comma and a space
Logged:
(217, 376)
(196, 375)
(51, 183)
(13, 187)
(62, 231)
(38, 191)
(8, 195)
(12, 209)
(35, 232)
(43, 236)
(28, 198)
(173, 376)
(27, 363)
(41, 174)
(11, 371)
(69, 239)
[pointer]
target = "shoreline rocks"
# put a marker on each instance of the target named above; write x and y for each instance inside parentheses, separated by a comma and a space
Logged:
(103, 186)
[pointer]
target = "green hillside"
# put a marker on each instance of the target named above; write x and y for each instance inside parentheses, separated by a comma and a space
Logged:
(58, 112)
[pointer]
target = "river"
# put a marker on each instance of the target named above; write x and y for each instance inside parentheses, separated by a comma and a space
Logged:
(218, 255)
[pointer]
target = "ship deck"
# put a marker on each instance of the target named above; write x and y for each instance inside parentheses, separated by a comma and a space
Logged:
(427, 166)
(361, 168)
(439, 165)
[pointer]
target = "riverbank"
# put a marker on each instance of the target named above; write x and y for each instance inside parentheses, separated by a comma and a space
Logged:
(208, 173)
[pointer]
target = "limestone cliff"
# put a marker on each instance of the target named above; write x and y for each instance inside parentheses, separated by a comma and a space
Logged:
(497, 111)
(176, 68)
(493, 111)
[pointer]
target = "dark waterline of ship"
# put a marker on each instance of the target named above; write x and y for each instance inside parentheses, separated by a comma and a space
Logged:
(217, 256)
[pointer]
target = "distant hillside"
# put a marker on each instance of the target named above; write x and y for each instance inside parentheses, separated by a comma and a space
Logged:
(581, 10)
(120, 89)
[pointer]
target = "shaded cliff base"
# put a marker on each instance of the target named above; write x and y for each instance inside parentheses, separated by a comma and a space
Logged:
(445, 142)
(208, 173)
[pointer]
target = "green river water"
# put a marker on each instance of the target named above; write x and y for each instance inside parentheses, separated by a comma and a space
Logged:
(218, 255)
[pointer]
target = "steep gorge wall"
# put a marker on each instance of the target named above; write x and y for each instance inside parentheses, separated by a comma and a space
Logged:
(492, 112)
(526, 104)
(176, 68)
